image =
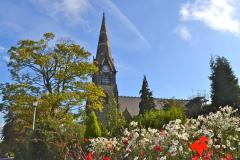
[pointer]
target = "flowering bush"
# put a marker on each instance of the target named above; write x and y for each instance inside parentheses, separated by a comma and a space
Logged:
(214, 136)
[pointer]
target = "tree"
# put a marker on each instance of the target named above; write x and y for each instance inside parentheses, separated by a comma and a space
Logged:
(147, 101)
(57, 72)
(224, 85)
(115, 121)
(93, 129)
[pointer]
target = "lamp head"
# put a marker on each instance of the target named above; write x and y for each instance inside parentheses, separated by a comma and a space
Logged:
(35, 102)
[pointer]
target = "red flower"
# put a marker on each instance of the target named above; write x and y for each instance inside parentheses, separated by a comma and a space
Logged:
(125, 141)
(195, 158)
(141, 154)
(228, 157)
(110, 148)
(162, 133)
(203, 139)
(85, 140)
(208, 156)
(89, 156)
(106, 158)
(158, 148)
(199, 145)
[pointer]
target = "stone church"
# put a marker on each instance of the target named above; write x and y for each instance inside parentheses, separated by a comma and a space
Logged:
(106, 78)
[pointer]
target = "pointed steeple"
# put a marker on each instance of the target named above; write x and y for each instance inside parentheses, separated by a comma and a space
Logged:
(103, 27)
(104, 50)
(106, 76)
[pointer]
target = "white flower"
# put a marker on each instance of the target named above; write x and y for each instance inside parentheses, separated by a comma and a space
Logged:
(232, 148)
(180, 148)
(163, 158)
(217, 146)
(228, 143)
(175, 142)
(238, 129)
(134, 124)
(126, 133)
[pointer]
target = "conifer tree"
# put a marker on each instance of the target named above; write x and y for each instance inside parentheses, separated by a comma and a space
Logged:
(147, 101)
(93, 129)
(224, 86)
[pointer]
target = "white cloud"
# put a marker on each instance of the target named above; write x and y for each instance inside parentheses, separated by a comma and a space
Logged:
(73, 10)
(6, 58)
(2, 49)
(118, 13)
(183, 32)
(219, 15)
(76, 10)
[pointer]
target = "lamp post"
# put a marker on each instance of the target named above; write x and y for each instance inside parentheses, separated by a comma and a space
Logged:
(35, 103)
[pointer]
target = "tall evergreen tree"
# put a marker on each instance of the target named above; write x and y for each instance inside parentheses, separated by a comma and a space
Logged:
(147, 101)
(93, 129)
(224, 86)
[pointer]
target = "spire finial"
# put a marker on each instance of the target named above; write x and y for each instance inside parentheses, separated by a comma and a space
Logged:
(103, 20)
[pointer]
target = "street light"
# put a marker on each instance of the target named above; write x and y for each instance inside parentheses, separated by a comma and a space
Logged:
(35, 103)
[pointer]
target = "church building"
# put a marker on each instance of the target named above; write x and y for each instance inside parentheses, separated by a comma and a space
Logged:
(106, 78)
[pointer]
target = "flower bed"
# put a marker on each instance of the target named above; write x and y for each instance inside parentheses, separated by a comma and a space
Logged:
(215, 136)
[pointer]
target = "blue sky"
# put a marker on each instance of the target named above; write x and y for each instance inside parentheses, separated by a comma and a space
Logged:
(171, 42)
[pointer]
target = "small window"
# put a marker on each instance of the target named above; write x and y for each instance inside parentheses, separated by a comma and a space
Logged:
(106, 98)
(106, 79)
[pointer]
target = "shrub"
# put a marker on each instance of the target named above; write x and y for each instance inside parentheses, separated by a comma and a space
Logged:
(157, 118)
(92, 127)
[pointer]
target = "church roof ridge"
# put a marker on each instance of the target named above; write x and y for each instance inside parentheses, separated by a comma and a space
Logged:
(156, 98)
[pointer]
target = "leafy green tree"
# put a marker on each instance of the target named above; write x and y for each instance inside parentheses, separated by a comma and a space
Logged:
(64, 135)
(147, 101)
(157, 118)
(224, 84)
(57, 72)
(115, 121)
(92, 127)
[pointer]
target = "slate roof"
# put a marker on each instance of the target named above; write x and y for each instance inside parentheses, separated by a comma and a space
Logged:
(131, 104)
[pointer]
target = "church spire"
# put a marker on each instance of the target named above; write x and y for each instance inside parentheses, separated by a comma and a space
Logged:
(104, 50)
(106, 76)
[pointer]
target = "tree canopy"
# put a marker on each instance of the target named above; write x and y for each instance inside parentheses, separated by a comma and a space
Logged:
(57, 73)
(224, 84)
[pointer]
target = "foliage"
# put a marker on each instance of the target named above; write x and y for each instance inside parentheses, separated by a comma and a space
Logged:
(196, 106)
(115, 121)
(157, 118)
(57, 139)
(92, 127)
(224, 85)
(56, 72)
(215, 136)
(147, 101)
